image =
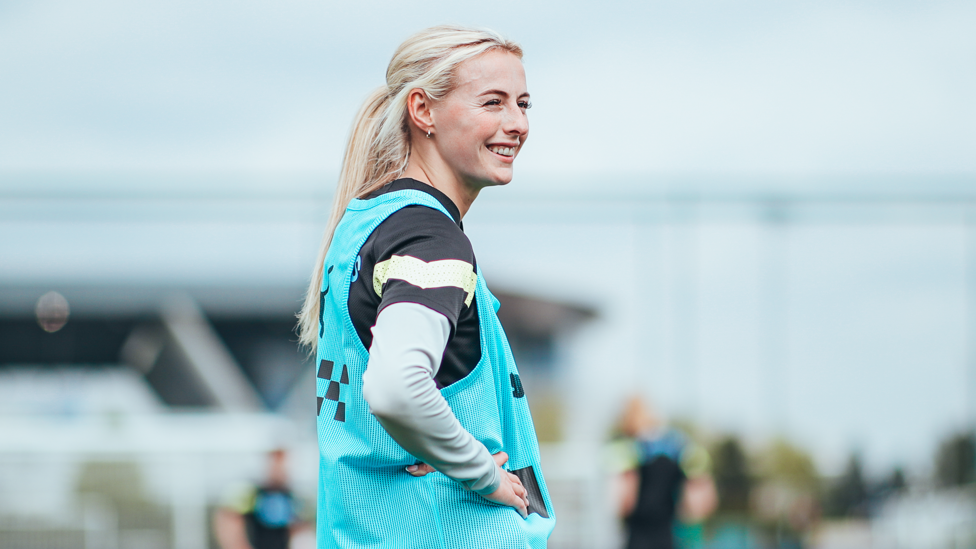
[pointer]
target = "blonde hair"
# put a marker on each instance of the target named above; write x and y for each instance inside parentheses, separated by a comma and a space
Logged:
(637, 418)
(379, 143)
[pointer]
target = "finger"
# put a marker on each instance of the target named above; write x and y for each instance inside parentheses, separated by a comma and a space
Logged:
(521, 493)
(523, 510)
(419, 469)
(519, 490)
(500, 458)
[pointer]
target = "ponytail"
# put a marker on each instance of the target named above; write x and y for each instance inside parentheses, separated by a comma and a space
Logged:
(379, 144)
(355, 180)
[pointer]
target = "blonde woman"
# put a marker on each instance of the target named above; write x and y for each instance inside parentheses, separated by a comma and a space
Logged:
(424, 433)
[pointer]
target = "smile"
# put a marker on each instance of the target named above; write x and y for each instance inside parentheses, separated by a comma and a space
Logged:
(503, 151)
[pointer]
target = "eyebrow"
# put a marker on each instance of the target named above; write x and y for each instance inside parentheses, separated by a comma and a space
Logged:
(500, 92)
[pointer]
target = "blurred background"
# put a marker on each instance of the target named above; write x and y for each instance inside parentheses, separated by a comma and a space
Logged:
(758, 217)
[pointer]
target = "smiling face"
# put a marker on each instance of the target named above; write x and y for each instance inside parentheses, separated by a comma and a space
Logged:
(481, 125)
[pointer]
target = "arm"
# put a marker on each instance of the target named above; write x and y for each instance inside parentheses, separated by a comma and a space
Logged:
(627, 484)
(698, 499)
(229, 530)
(408, 343)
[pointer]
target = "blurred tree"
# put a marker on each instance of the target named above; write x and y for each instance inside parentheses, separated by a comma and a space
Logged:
(732, 476)
(890, 486)
(955, 462)
(119, 486)
(547, 416)
(896, 482)
(848, 496)
(785, 497)
(790, 465)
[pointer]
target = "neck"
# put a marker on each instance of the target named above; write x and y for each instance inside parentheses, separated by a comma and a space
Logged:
(443, 180)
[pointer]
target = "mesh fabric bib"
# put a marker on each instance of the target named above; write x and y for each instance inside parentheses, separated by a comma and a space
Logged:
(366, 498)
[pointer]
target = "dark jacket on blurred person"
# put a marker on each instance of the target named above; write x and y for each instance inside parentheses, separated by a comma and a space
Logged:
(665, 477)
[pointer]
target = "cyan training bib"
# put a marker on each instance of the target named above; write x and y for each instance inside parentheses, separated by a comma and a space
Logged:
(366, 498)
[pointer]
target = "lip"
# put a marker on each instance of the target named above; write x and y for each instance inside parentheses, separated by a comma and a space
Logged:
(503, 158)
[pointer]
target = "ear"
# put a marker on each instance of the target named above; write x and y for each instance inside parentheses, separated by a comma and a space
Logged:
(419, 110)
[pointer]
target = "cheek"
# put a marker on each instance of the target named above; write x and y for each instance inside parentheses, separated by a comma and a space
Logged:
(484, 127)
(472, 124)
(465, 133)
(470, 136)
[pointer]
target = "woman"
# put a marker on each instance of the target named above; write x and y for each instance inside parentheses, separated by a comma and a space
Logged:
(664, 483)
(424, 435)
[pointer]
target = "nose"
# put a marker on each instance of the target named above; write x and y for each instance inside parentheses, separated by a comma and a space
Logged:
(517, 123)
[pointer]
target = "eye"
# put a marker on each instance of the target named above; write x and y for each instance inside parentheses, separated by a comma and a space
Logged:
(493, 102)
(525, 104)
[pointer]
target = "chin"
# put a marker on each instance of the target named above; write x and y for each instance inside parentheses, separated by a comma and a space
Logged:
(497, 183)
(484, 183)
(495, 179)
(501, 179)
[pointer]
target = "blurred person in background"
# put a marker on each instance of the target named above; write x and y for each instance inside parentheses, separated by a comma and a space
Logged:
(260, 516)
(425, 435)
(664, 483)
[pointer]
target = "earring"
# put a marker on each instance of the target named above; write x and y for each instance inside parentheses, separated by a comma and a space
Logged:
(428, 133)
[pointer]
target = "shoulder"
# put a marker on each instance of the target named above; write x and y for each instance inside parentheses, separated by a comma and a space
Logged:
(240, 497)
(424, 233)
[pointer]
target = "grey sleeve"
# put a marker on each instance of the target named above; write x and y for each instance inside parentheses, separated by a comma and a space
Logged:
(408, 343)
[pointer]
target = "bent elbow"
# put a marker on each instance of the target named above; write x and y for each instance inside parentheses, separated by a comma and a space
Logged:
(383, 399)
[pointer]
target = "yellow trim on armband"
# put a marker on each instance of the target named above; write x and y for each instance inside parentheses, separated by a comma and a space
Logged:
(417, 272)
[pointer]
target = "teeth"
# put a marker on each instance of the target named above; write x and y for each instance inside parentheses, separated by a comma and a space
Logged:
(504, 151)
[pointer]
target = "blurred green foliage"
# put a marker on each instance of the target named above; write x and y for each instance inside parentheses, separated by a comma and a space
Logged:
(955, 461)
(733, 478)
(788, 465)
(847, 495)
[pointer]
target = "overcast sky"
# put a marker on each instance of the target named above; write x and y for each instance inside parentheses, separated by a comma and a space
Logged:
(645, 87)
